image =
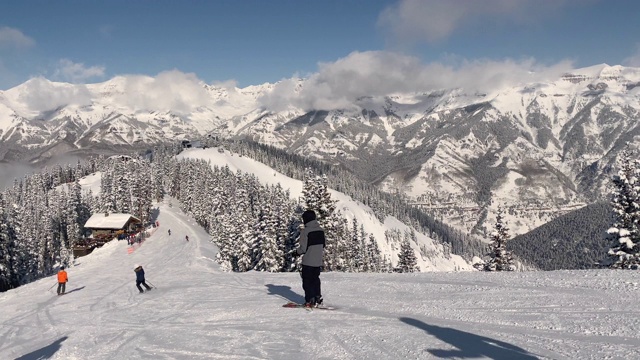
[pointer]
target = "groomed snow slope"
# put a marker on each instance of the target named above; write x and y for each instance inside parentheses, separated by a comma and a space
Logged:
(199, 312)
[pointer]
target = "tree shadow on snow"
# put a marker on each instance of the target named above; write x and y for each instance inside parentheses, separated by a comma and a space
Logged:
(469, 345)
(46, 352)
(76, 289)
(285, 292)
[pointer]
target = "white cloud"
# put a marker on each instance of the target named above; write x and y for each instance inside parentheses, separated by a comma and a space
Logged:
(76, 72)
(40, 94)
(433, 20)
(169, 90)
(230, 84)
(634, 59)
(339, 84)
(10, 37)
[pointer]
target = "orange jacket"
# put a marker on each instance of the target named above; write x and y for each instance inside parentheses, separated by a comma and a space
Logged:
(62, 276)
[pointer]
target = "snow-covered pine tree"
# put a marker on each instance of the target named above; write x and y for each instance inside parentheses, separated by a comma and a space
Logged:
(157, 177)
(364, 249)
(269, 257)
(337, 227)
(140, 189)
(241, 239)
(334, 224)
(501, 259)
(625, 251)
(355, 259)
(407, 261)
(5, 248)
(74, 222)
(18, 250)
(226, 236)
(121, 187)
(292, 262)
(107, 199)
(172, 178)
(283, 208)
(375, 257)
(311, 196)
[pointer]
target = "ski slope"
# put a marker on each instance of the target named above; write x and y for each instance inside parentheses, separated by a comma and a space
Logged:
(200, 312)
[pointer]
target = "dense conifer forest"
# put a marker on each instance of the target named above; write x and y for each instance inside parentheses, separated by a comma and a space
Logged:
(256, 227)
(576, 240)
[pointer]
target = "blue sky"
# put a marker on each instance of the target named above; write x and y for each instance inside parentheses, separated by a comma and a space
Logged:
(255, 41)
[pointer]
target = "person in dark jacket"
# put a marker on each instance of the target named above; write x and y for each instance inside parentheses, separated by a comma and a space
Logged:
(140, 278)
(312, 242)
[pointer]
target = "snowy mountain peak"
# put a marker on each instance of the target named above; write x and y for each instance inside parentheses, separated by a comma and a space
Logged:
(548, 143)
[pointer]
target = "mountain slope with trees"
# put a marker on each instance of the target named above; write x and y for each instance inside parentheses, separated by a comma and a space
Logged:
(576, 240)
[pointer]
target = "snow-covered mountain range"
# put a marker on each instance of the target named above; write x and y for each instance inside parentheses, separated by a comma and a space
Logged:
(540, 148)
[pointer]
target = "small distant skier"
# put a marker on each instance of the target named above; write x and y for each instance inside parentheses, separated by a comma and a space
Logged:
(312, 242)
(169, 231)
(187, 237)
(140, 278)
(62, 280)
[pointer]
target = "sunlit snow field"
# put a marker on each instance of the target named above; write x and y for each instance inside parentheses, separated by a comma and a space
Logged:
(200, 312)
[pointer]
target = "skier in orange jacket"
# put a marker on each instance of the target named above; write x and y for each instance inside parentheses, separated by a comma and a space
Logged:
(62, 280)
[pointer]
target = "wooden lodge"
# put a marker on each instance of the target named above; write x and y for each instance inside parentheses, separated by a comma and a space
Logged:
(106, 224)
(104, 227)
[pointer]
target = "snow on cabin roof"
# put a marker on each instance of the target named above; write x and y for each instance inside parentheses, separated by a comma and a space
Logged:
(112, 221)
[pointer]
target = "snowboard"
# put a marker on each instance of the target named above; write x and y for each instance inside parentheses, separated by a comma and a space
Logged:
(301, 306)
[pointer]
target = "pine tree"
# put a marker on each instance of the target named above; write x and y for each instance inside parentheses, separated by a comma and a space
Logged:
(317, 197)
(294, 226)
(121, 187)
(269, 257)
(355, 252)
(625, 251)
(107, 199)
(5, 248)
(407, 261)
(500, 258)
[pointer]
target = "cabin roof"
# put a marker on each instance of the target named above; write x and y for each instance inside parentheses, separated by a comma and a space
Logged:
(109, 221)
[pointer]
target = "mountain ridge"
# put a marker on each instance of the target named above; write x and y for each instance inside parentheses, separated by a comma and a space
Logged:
(539, 145)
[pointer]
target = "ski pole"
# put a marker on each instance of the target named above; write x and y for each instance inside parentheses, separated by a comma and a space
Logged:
(151, 283)
(52, 286)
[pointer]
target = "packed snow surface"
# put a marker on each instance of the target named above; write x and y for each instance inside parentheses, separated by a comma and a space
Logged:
(199, 312)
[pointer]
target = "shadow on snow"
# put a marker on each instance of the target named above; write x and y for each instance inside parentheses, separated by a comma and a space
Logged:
(76, 289)
(469, 345)
(46, 352)
(285, 292)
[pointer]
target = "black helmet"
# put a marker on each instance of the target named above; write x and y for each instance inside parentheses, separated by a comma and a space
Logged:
(308, 216)
(62, 267)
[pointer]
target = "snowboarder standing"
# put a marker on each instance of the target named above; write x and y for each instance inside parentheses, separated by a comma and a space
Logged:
(140, 278)
(312, 242)
(62, 280)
